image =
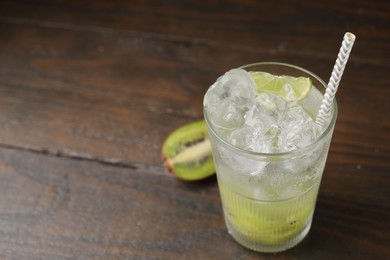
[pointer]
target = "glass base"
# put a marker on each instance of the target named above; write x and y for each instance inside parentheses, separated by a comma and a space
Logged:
(267, 248)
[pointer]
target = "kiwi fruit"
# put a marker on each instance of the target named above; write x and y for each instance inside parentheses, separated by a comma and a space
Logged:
(187, 152)
(265, 223)
(273, 229)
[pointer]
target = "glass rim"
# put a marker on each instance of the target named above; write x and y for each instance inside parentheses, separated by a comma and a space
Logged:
(297, 151)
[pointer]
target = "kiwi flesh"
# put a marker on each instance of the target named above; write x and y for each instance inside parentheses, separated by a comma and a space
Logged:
(187, 152)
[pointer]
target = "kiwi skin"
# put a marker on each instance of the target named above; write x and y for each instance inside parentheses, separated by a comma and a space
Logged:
(187, 152)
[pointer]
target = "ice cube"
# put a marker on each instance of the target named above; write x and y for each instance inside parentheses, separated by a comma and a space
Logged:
(268, 141)
(227, 116)
(237, 163)
(241, 137)
(262, 122)
(268, 109)
(257, 115)
(229, 97)
(288, 93)
(213, 97)
(272, 104)
(298, 128)
(256, 138)
(211, 102)
(238, 86)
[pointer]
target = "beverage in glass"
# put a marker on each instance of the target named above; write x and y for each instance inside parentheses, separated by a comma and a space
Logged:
(268, 151)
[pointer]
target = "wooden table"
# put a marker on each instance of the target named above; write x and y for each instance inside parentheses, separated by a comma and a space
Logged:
(90, 89)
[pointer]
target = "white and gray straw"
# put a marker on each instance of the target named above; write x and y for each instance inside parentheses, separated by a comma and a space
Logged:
(334, 81)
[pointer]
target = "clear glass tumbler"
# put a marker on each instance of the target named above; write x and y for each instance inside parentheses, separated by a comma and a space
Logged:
(268, 199)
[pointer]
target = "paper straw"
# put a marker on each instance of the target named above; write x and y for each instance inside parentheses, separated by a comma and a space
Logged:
(334, 81)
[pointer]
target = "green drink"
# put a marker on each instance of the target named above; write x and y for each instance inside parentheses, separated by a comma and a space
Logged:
(269, 154)
(268, 223)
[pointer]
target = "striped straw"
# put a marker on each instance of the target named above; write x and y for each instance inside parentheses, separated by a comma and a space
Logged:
(334, 81)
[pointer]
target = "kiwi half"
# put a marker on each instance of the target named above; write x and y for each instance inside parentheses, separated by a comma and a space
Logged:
(187, 152)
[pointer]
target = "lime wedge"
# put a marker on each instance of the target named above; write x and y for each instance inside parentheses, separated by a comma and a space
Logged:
(288, 87)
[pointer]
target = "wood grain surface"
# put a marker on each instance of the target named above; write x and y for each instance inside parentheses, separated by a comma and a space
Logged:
(89, 90)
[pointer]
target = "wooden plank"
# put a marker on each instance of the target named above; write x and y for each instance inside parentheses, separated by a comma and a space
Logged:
(114, 97)
(53, 207)
(298, 25)
(58, 207)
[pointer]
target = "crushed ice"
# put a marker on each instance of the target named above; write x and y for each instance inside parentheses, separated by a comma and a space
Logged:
(261, 122)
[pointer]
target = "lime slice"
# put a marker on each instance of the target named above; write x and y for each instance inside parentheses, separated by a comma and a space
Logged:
(288, 87)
